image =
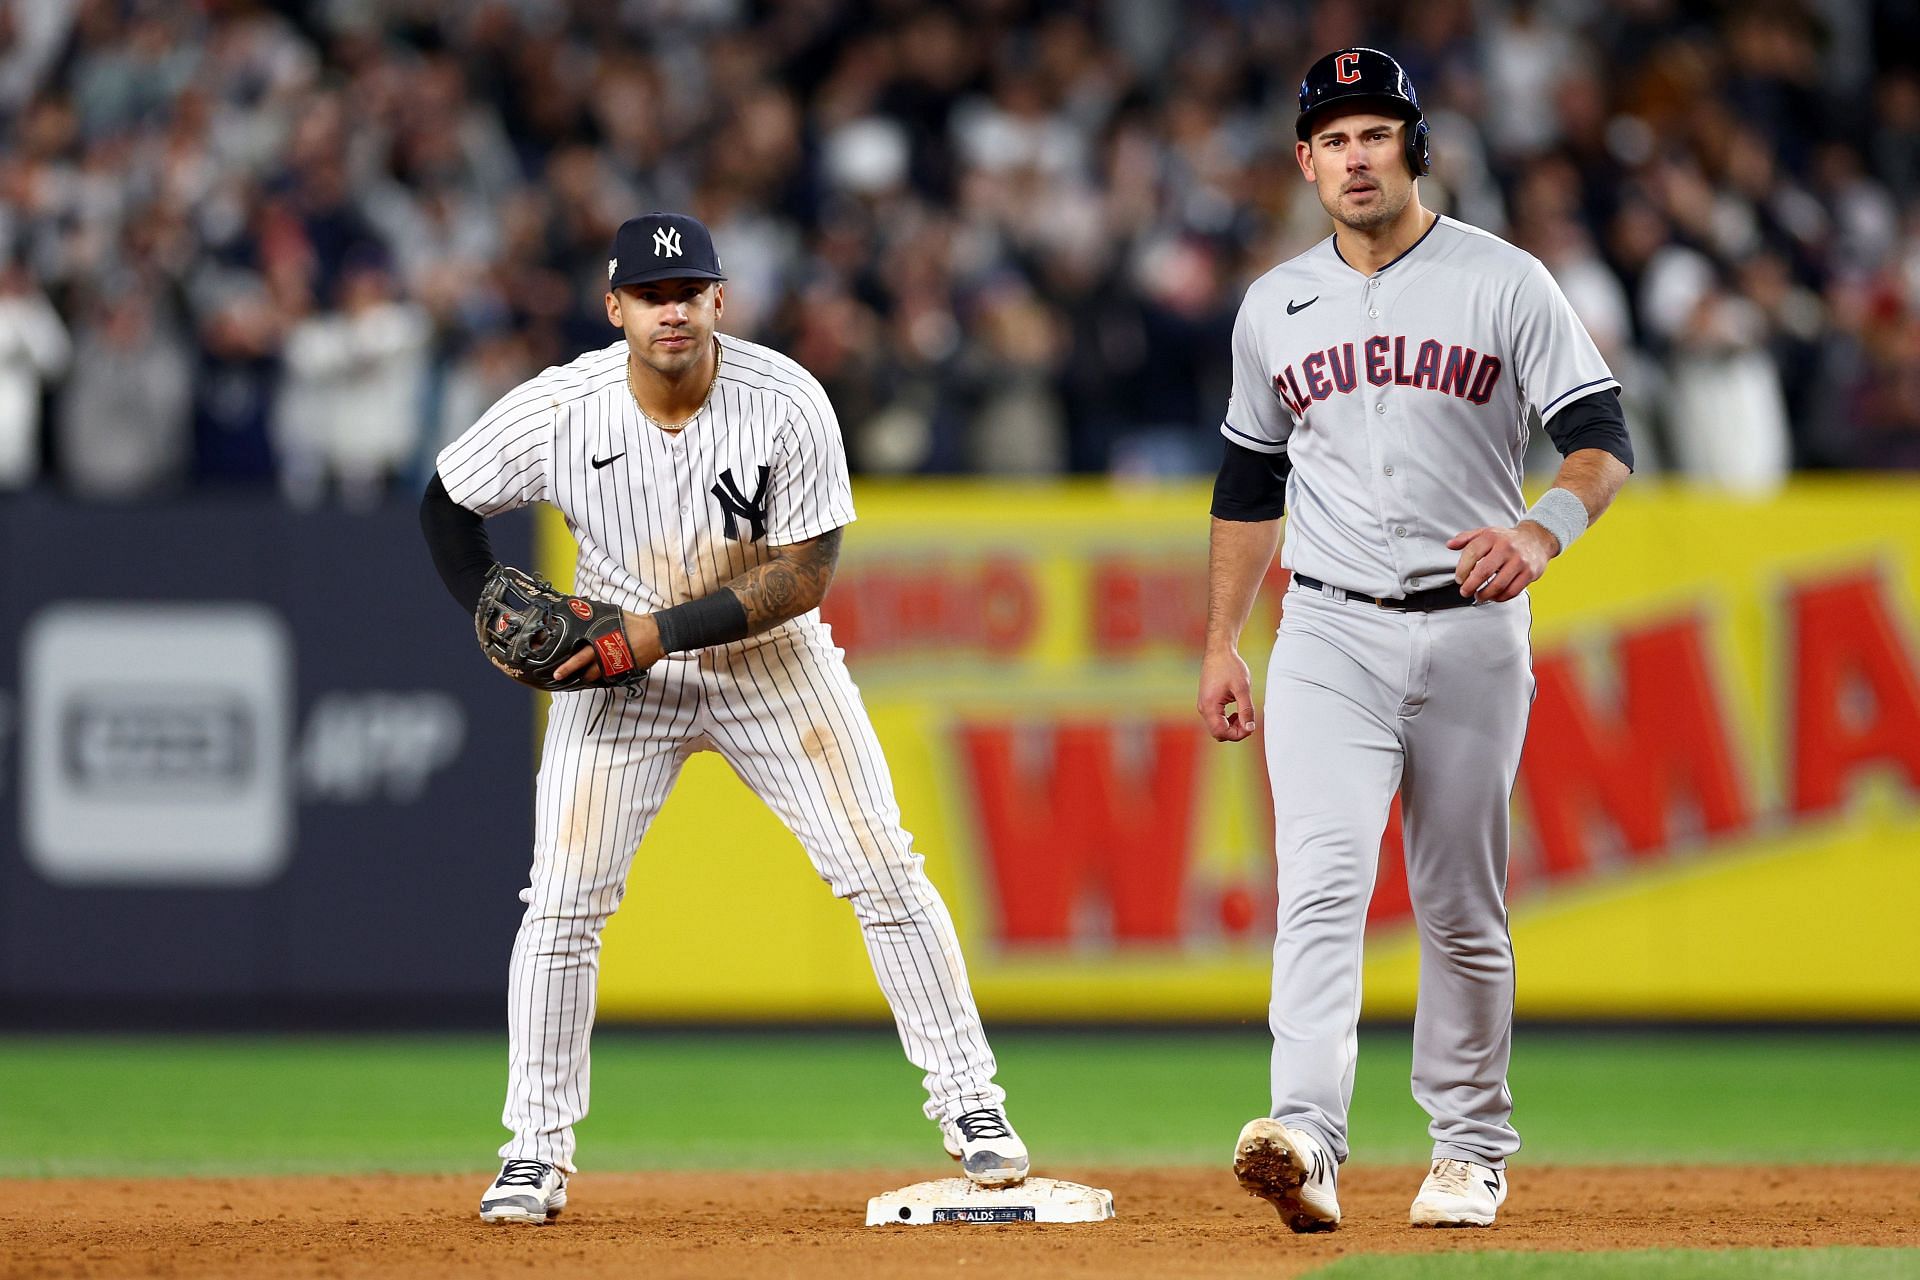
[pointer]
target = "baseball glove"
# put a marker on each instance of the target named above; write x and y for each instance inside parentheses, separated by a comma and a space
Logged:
(527, 629)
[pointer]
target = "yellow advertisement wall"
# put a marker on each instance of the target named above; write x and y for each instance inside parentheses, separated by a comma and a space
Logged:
(1718, 813)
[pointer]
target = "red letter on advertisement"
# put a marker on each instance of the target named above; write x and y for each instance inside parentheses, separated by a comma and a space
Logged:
(1666, 743)
(1084, 818)
(1856, 700)
(1119, 606)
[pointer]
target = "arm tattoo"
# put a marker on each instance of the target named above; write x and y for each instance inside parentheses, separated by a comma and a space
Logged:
(792, 582)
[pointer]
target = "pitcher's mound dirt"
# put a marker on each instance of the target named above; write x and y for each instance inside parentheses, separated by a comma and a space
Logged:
(1185, 1222)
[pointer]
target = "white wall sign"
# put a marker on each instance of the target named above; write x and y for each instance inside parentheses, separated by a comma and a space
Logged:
(154, 743)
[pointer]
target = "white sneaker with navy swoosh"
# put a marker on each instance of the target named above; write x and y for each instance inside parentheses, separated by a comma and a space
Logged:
(1459, 1193)
(526, 1191)
(1290, 1170)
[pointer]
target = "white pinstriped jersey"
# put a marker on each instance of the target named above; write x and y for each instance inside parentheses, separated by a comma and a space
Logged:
(663, 517)
(1402, 398)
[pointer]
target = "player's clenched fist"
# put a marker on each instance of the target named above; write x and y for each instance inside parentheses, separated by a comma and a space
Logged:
(643, 644)
(1498, 564)
(1225, 683)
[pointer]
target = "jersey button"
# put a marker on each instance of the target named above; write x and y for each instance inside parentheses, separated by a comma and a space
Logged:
(1388, 470)
(1373, 284)
(1374, 312)
(1400, 531)
(1380, 408)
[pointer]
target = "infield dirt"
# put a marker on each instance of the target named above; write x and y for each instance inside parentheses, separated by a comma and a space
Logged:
(1185, 1222)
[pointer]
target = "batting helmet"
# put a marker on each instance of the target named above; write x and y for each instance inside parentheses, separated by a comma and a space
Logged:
(1358, 78)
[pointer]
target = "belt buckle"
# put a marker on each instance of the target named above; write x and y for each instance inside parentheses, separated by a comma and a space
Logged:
(1389, 604)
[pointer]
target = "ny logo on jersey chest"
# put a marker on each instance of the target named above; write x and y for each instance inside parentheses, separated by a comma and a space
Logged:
(736, 506)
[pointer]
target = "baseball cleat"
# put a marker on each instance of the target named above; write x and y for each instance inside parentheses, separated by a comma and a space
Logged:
(1290, 1170)
(526, 1191)
(1459, 1193)
(986, 1146)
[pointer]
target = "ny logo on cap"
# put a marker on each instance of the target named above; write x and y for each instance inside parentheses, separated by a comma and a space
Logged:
(613, 265)
(666, 242)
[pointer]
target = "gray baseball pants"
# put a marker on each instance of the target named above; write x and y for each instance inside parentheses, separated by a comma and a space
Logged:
(1362, 702)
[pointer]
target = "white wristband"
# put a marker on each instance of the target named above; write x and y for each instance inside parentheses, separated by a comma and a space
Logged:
(1561, 513)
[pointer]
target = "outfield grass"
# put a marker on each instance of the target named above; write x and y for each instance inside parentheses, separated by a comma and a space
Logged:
(1642, 1264)
(258, 1104)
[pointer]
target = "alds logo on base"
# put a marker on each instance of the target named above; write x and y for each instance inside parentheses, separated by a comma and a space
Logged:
(996, 1213)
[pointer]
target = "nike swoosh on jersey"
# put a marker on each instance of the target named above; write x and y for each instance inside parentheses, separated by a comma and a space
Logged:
(1295, 308)
(607, 462)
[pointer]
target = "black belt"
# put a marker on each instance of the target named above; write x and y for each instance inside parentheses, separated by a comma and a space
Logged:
(1419, 602)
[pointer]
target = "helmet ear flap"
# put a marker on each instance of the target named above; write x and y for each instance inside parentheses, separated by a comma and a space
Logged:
(1419, 154)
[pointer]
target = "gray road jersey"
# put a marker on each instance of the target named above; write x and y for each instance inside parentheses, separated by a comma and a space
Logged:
(1402, 398)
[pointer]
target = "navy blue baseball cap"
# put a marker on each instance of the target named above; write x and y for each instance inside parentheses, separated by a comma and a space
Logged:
(662, 246)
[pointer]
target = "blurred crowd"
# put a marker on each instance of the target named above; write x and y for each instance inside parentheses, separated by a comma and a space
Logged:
(303, 244)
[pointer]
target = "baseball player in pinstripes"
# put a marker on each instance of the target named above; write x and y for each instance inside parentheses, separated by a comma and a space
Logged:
(705, 480)
(1383, 382)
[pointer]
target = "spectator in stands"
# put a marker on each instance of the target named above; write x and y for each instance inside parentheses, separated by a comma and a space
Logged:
(239, 338)
(34, 349)
(125, 425)
(353, 397)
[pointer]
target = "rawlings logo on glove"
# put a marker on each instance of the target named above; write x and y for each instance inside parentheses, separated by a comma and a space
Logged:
(528, 630)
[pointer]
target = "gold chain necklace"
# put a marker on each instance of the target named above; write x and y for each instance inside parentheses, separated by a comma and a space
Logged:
(671, 428)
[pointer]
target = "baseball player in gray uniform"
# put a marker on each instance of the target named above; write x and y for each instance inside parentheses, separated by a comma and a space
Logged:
(1383, 383)
(706, 482)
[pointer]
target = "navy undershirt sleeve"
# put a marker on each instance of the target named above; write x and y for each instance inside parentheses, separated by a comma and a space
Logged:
(1593, 422)
(457, 537)
(1251, 485)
